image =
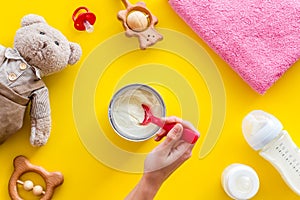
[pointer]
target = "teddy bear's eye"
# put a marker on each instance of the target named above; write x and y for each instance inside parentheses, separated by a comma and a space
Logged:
(42, 33)
(57, 43)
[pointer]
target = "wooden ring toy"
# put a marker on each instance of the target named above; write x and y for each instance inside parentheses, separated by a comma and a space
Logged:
(138, 21)
(22, 166)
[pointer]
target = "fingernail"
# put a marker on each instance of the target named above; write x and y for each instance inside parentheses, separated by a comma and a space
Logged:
(178, 127)
(176, 130)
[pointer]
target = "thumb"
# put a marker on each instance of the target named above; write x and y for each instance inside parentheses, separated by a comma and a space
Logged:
(173, 136)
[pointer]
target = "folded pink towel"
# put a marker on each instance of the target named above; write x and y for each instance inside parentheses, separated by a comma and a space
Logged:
(259, 39)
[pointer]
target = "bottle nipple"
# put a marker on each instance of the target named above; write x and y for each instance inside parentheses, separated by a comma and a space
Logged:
(259, 128)
(240, 181)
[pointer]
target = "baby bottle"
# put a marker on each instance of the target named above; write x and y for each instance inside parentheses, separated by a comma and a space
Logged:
(264, 133)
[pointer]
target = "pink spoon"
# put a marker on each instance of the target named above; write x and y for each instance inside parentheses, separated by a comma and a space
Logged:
(188, 135)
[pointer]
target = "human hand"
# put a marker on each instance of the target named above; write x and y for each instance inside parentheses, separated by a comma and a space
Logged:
(190, 134)
(163, 160)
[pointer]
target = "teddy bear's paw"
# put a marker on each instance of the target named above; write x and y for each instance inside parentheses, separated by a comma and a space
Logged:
(38, 138)
(40, 131)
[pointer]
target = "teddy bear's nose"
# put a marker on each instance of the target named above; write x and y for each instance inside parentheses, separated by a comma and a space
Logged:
(44, 45)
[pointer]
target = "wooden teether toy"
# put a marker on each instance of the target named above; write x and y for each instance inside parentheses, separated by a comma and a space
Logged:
(138, 21)
(22, 166)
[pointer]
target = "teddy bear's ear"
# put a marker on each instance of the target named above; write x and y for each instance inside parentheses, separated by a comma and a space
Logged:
(75, 53)
(31, 19)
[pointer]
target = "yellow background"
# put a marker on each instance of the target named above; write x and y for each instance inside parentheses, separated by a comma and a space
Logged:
(86, 177)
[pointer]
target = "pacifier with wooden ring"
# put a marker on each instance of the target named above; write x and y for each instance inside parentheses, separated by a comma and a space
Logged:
(22, 166)
(138, 21)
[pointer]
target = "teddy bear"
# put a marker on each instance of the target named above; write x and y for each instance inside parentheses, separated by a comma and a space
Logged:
(39, 50)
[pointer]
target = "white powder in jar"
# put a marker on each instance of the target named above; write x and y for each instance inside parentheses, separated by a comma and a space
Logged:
(127, 112)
